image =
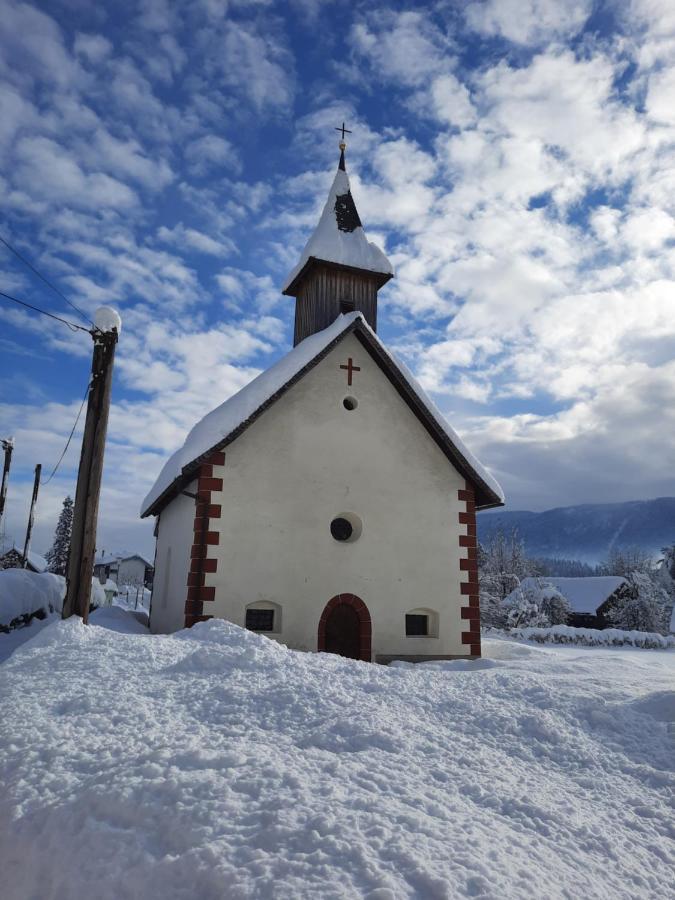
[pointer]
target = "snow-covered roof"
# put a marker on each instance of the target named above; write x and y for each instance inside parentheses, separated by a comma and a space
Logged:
(584, 594)
(339, 237)
(229, 419)
(39, 563)
(107, 559)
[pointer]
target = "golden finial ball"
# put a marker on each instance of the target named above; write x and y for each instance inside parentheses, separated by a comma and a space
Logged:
(342, 145)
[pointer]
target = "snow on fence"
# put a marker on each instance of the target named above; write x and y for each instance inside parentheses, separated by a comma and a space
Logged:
(593, 637)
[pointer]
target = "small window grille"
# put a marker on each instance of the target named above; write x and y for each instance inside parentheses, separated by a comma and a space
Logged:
(416, 625)
(260, 619)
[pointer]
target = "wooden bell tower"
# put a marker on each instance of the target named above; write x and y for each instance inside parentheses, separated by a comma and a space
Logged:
(339, 271)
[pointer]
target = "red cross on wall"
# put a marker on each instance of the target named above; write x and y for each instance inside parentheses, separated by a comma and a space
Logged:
(350, 367)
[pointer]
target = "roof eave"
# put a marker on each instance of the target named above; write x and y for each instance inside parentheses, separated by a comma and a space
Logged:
(189, 472)
(292, 289)
(486, 497)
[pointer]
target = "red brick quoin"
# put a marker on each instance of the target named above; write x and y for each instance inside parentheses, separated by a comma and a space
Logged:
(469, 588)
(365, 625)
(200, 562)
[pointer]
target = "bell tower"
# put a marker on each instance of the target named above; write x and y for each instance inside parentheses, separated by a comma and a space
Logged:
(339, 270)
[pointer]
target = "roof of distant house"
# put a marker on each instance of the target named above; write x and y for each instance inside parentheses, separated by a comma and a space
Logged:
(583, 594)
(35, 561)
(107, 559)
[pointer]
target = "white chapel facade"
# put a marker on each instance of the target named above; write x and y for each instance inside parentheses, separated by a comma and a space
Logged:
(328, 504)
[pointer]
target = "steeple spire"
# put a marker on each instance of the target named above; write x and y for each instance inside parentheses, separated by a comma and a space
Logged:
(343, 146)
(339, 269)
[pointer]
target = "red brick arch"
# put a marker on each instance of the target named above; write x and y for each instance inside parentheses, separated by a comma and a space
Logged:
(365, 624)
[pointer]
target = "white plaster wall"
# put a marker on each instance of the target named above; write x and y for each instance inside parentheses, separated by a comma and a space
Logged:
(308, 459)
(172, 562)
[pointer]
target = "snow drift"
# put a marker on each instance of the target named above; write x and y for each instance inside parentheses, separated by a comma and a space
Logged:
(216, 763)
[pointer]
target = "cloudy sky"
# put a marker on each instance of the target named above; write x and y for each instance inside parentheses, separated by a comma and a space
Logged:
(513, 157)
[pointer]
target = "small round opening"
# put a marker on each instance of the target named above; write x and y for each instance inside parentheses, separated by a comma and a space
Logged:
(341, 529)
(346, 527)
(350, 403)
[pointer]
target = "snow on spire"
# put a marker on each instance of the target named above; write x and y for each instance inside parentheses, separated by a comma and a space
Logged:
(339, 237)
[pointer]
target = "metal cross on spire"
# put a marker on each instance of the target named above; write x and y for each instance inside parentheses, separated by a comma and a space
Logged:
(344, 131)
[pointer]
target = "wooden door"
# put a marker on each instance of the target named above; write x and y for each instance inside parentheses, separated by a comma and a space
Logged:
(343, 633)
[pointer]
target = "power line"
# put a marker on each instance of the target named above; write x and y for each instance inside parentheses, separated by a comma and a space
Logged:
(70, 437)
(71, 325)
(42, 277)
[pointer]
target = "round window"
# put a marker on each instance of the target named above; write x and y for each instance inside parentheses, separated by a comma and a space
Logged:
(350, 403)
(346, 527)
(341, 529)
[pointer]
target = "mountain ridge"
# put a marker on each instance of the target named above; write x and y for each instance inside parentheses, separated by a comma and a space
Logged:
(587, 531)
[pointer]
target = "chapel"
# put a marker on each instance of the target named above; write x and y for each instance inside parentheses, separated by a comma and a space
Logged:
(328, 504)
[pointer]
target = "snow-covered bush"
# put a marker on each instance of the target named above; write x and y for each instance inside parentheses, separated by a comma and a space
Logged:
(535, 604)
(593, 637)
(25, 594)
(554, 606)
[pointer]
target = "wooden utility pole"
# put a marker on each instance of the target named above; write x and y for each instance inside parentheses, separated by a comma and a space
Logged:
(31, 517)
(85, 512)
(7, 446)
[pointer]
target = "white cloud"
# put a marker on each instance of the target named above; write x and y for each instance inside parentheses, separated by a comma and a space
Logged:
(93, 47)
(254, 64)
(212, 152)
(190, 238)
(405, 46)
(451, 101)
(32, 46)
(47, 170)
(528, 21)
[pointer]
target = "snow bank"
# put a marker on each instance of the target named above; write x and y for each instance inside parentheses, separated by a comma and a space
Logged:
(593, 637)
(24, 593)
(216, 763)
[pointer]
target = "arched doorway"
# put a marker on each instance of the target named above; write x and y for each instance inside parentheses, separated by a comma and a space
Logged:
(345, 628)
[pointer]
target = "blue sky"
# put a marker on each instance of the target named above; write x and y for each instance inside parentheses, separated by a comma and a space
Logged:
(513, 157)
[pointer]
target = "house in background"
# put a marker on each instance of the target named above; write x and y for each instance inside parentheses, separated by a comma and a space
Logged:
(13, 559)
(124, 569)
(591, 598)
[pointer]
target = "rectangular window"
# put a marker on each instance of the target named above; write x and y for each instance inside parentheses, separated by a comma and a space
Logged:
(260, 619)
(416, 626)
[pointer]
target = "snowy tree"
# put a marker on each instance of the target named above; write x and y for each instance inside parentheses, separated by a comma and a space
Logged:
(554, 606)
(535, 604)
(57, 557)
(626, 560)
(645, 607)
(502, 565)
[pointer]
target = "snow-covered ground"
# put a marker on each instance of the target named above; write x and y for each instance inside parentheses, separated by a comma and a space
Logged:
(217, 764)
